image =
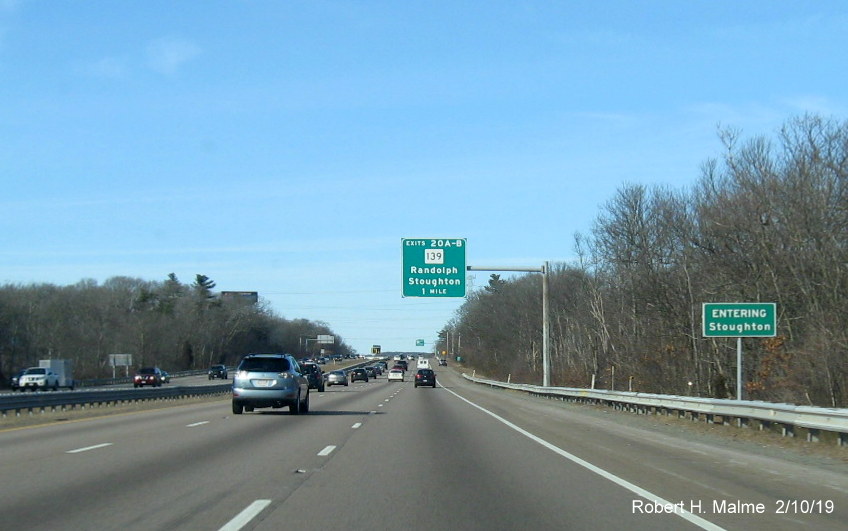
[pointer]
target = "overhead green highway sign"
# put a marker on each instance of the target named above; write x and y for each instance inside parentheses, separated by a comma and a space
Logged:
(740, 319)
(433, 267)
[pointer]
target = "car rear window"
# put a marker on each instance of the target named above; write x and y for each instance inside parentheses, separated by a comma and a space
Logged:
(147, 370)
(265, 365)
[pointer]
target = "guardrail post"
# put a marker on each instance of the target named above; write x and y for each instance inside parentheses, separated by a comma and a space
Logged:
(812, 435)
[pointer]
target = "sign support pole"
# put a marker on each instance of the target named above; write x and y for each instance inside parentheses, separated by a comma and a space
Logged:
(546, 361)
(738, 368)
(739, 319)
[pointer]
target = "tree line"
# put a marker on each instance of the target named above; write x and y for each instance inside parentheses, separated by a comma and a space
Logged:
(766, 221)
(169, 324)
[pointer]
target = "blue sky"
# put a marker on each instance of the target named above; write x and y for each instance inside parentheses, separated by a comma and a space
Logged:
(287, 147)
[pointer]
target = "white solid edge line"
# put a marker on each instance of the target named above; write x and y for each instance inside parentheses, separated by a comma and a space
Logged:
(327, 451)
(686, 515)
(248, 514)
(87, 448)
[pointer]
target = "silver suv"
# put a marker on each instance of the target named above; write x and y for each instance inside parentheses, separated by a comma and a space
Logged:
(270, 380)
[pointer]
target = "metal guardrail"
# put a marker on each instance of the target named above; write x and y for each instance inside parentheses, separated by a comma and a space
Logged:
(60, 400)
(43, 401)
(789, 417)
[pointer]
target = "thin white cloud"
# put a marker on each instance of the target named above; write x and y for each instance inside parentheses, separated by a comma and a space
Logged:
(107, 67)
(10, 5)
(814, 104)
(167, 55)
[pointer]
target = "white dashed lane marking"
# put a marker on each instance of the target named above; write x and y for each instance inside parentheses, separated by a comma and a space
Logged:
(327, 451)
(87, 448)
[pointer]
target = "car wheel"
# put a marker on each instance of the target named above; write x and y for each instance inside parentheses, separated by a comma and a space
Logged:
(321, 389)
(135, 385)
(237, 408)
(304, 409)
(294, 407)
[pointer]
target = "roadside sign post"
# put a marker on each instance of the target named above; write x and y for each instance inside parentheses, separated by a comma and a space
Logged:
(546, 360)
(739, 319)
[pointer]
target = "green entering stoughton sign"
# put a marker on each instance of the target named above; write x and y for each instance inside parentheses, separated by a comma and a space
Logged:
(739, 319)
(433, 267)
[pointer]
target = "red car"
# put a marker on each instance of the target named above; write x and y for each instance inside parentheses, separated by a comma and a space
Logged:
(148, 376)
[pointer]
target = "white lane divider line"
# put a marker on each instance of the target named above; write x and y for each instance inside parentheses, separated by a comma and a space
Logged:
(249, 513)
(87, 448)
(639, 491)
(327, 451)
(201, 423)
(357, 426)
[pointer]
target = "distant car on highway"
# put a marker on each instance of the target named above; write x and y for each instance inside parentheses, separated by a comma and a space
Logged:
(166, 378)
(425, 377)
(13, 381)
(337, 378)
(270, 380)
(358, 374)
(148, 376)
(218, 371)
(314, 374)
(396, 375)
(443, 363)
(36, 378)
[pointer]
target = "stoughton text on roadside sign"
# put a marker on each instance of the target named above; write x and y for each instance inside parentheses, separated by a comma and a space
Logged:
(739, 319)
(433, 267)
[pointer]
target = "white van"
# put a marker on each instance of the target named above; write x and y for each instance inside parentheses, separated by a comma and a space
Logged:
(423, 363)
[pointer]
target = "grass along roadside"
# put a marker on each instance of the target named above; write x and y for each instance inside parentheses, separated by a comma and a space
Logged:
(48, 416)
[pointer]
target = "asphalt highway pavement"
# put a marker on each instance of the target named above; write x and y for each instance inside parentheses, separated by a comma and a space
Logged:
(380, 455)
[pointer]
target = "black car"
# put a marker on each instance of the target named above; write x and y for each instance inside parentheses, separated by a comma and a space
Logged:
(425, 377)
(218, 371)
(358, 374)
(372, 371)
(314, 374)
(13, 381)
